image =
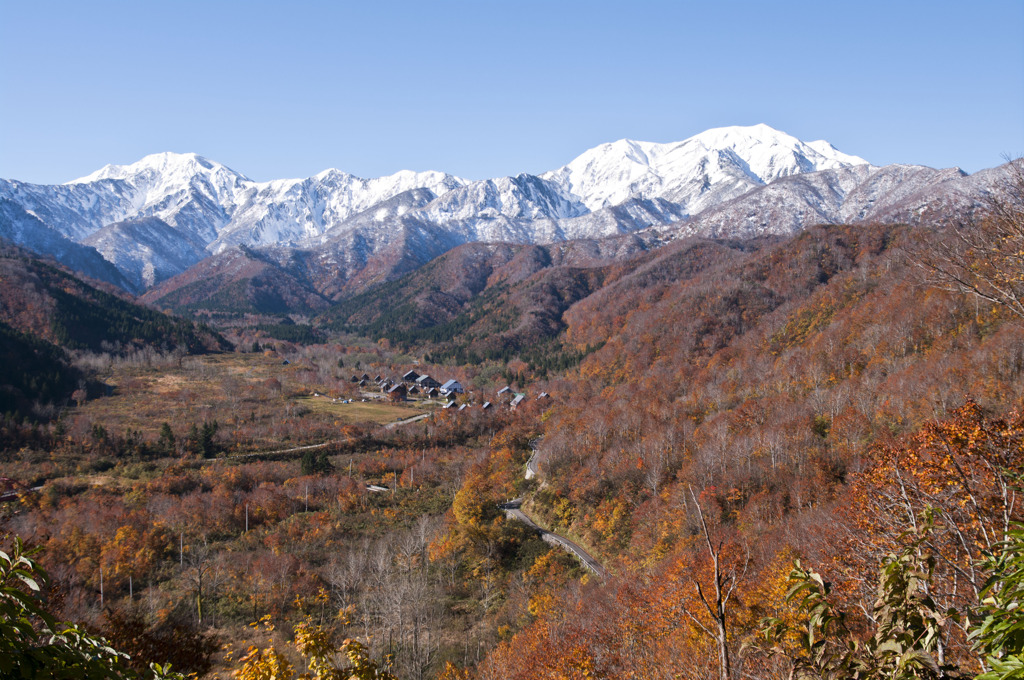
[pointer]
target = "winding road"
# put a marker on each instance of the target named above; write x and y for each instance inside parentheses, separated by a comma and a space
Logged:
(314, 447)
(514, 510)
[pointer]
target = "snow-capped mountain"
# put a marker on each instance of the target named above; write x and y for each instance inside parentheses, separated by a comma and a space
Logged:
(156, 217)
(283, 212)
(161, 215)
(893, 193)
(701, 171)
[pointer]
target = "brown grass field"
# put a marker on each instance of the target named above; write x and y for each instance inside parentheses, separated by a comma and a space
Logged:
(258, 401)
(374, 411)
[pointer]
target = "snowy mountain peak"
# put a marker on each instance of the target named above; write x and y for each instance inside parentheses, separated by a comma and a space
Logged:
(165, 165)
(163, 213)
(739, 136)
(683, 172)
(330, 175)
(760, 141)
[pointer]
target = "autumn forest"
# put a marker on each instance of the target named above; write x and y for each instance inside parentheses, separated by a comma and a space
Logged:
(787, 457)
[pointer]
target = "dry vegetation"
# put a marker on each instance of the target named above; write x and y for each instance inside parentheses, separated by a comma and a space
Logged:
(150, 525)
(735, 407)
(257, 400)
(370, 411)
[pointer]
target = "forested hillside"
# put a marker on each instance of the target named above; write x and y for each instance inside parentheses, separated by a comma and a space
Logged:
(47, 313)
(835, 415)
(51, 304)
(235, 283)
(33, 372)
(821, 398)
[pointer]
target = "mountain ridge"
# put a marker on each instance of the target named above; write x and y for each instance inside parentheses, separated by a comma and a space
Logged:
(165, 222)
(203, 207)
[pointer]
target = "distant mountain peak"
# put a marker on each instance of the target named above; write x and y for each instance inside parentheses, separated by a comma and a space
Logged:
(165, 164)
(733, 160)
(166, 212)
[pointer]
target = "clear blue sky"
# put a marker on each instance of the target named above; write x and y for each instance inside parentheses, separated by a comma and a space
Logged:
(484, 88)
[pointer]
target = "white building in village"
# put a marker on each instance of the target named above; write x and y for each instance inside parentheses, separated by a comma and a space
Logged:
(452, 387)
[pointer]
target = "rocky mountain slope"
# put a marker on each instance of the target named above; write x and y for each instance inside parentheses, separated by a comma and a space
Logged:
(156, 218)
(351, 262)
(894, 193)
(697, 173)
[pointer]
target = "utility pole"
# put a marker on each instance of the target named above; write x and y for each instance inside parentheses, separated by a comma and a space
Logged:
(307, 498)
(181, 549)
(101, 586)
(246, 518)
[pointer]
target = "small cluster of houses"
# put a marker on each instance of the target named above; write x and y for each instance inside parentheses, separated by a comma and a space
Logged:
(413, 384)
(505, 396)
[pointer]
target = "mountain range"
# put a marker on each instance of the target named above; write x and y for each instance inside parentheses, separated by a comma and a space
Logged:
(183, 226)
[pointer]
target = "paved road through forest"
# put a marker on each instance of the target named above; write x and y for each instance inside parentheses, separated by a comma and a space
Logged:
(514, 509)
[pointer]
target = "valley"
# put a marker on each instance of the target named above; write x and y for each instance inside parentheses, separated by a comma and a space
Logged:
(710, 405)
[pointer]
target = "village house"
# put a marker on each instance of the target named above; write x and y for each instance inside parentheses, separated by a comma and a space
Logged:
(505, 392)
(397, 393)
(452, 387)
(515, 402)
(410, 377)
(426, 382)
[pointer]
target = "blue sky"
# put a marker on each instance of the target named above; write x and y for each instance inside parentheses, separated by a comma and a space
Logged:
(485, 88)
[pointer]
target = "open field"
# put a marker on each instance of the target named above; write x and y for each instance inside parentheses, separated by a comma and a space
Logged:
(375, 411)
(258, 401)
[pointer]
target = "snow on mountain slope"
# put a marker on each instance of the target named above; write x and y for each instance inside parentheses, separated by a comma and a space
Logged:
(198, 201)
(522, 209)
(503, 209)
(223, 207)
(147, 250)
(892, 185)
(28, 231)
(629, 216)
(521, 197)
(893, 193)
(289, 211)
(159, 175)
(602, 192)
(69, 209)
(154, 217)
(715, 165)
